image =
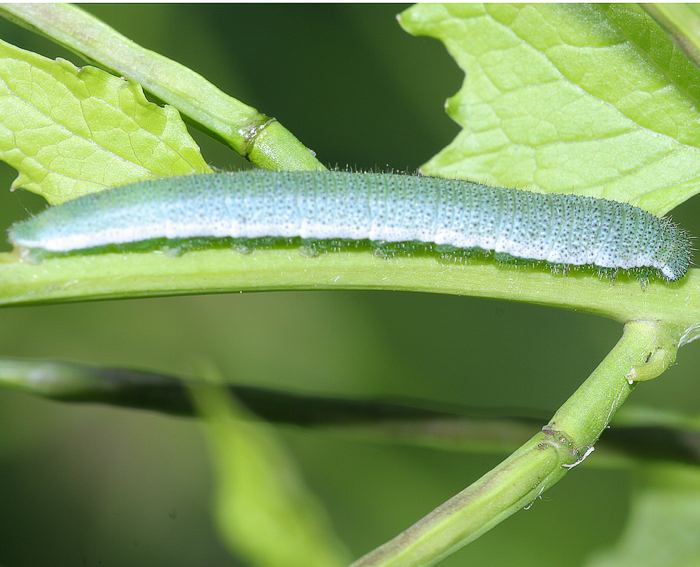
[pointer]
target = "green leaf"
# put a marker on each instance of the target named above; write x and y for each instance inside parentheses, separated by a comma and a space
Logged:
(589, 99)
(264, 510)
(71, 131)
(663, 523)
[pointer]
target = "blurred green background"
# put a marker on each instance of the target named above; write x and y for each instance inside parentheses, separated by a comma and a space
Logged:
(92, 485)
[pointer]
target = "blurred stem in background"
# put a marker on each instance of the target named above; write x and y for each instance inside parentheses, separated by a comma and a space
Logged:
(681, 22)
(638, 434)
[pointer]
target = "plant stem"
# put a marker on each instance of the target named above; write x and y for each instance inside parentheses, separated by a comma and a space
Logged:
(109, 276)
(261, 139)
(536, 466)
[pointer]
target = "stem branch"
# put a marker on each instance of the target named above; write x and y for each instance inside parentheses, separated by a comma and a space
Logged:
(536, 466)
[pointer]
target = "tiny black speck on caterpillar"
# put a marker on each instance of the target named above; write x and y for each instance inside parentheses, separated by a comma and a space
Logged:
(329, 208)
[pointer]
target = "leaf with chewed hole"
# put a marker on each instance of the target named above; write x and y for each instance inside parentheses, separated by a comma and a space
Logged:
(71, 131)
(571, 98)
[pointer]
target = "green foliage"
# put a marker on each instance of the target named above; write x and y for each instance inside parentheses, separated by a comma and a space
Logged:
(587, 99)
(71, 131)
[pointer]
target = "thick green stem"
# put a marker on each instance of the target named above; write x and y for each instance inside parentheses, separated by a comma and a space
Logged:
(537, 465)
(263, 140)
(110, 276)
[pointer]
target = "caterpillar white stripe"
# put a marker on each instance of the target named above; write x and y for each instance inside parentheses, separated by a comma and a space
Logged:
(560, 229)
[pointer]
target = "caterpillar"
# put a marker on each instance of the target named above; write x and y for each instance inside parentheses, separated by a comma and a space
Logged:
(375, 208)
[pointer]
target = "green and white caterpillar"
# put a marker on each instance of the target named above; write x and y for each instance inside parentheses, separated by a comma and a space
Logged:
(440, 214)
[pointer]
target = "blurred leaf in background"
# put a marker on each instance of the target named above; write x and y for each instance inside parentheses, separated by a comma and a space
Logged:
(662, 528)
(265, 512)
